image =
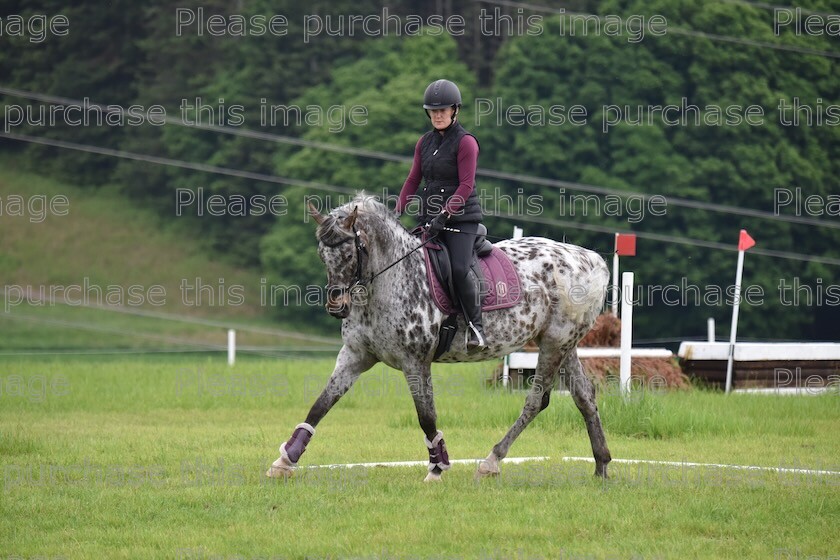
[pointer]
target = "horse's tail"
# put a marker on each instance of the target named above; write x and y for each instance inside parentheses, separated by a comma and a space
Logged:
(583, 298)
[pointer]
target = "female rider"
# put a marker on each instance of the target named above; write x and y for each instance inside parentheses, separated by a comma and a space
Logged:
(446, 158)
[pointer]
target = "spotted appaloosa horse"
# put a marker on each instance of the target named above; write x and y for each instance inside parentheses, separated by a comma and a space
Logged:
(393, 320)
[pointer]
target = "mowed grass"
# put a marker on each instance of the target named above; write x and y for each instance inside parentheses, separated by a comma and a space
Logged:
(164, 458)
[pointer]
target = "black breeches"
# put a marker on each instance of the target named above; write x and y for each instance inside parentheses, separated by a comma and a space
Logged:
(460, 247)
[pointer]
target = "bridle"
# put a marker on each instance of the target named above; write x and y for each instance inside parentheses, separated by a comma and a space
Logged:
(361, 249)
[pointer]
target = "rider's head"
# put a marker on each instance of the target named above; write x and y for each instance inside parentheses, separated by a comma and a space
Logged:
(442, 101)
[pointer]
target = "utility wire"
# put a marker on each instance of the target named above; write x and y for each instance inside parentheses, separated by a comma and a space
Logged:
(516, 217)
(663, 238)
(765, 6)
(375, 154)
(676, 30)
(234, 131)
(179, 163)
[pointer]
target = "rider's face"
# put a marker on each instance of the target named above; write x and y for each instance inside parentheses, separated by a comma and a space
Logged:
(441, 118)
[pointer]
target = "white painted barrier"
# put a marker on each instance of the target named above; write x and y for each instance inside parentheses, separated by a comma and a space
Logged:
(528, 360)
(760, 351)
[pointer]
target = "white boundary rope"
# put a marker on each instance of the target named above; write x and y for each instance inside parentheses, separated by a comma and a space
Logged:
(519, 460)
(711, 465)
(510, 460)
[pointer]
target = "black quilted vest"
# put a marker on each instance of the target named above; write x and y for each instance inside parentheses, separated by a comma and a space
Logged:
(439, 158)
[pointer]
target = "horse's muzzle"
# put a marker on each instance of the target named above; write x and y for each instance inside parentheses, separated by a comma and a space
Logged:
(340, 311)
(338, 303)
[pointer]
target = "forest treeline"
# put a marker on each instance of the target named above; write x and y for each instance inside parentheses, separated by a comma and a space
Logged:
(681, 121)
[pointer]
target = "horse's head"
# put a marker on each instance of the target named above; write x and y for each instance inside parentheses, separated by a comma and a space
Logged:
(342, 246)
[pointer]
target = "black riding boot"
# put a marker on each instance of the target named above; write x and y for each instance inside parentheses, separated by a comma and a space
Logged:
(460, 244)
(471, 302)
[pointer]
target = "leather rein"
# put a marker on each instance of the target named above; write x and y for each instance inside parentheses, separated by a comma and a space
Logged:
(361, 249)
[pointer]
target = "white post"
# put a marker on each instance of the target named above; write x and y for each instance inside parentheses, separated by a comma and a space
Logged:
(734, 328)
(231, 346)
(615, 292)
(626, 332)
(517, 234)
(710, 329)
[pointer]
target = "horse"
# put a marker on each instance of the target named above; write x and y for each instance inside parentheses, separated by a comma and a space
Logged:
(377, 286)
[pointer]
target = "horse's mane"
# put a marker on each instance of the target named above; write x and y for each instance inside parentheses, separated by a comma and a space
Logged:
(368, 204)
(332, 232)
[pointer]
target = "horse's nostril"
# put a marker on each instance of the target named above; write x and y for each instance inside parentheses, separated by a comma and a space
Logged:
(334, 292)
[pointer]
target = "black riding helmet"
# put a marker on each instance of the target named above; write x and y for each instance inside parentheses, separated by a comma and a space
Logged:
(441, 94)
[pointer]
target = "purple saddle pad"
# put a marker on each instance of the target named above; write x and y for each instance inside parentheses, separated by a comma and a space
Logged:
(500, 277)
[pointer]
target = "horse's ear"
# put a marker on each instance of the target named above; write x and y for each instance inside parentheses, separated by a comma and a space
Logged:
(351, 219)
(316, 215)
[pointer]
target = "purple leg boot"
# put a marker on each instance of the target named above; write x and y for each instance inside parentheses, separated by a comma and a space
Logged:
(438, 457)
(291, 451)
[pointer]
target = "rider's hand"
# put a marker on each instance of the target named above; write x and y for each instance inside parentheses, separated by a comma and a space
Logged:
(436, 225)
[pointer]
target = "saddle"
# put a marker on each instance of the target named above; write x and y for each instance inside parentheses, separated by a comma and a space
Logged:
(490, 269)
(439, 267)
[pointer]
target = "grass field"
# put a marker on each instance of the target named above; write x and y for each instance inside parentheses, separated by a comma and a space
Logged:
(108, 245)
(163, 457)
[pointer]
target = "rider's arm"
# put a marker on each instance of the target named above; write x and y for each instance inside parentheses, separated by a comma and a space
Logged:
(467, 163)
(412, 181)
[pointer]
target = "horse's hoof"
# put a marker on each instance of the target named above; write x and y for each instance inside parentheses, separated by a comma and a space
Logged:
(432, 477)
(601, 470)
(281, 468)
(487, 468)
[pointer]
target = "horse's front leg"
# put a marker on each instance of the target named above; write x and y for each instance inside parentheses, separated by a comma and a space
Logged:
(348, 366)
(419, 378)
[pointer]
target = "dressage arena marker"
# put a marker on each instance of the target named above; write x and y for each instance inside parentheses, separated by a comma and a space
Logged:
(519, 460)
(510, 460)
(714, 465)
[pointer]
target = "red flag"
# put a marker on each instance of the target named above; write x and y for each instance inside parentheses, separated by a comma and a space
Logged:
(625, 244)
(745, 241)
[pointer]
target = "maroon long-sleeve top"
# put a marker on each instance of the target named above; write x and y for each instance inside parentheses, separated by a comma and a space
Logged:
(467, 162)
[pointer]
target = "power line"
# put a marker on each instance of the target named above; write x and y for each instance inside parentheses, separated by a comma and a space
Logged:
(375, 154)
(774, 7)
(318, 186)
(668, 200)
(679, 240)
(675, 30)
(753, 43)
(179, 163)
(234, 131)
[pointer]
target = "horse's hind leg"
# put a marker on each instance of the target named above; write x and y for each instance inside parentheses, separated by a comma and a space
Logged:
(548, 365)
(583, 393)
